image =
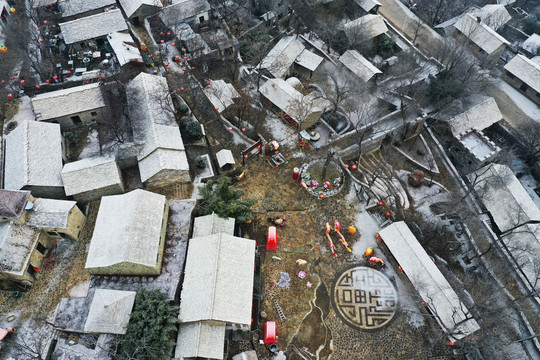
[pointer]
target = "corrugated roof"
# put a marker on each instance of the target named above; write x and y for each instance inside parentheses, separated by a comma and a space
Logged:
(526, 70)
(359, 65)
(504, 197)
(90, 174)
(201, 339)
(366, 27)
(212, 224)
(110, 312)
(69, 101)
(282, 56)
(33, 156)
(50, 213)
(12, 203)
(428, 280)
(481, 115)
(127, 230)
(218, 280)
(181, 10)
(75, 7)
(131, 6)
(479, 33)
(94, 26)
(17, 242)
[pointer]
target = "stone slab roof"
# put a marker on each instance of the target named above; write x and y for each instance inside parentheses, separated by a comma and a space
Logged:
(212, 224)
(493, 15)
(50, 213)
(33, 156)
(309, 60)
(479, 116)
(94, 26)
(90, 174)
(110, 312)
(128, 230)
(75, 7)
(282, 56)
(359, 65)
(12, 203)
(526, 70)
(480, 33)
(59, 103)
(17, 242)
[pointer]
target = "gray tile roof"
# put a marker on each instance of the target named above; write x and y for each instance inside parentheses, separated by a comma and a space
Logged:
(50, 213)
(93, 26)
(12, 203)
(75, 7)
(181, 10)
(479, 33)
(90, 174)
(110, 311)
(16, 245)
(526, 70)
(131, 6)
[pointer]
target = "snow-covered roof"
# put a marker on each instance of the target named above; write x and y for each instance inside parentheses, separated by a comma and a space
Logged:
(181, 10)
(224, 157)
(221, 94)
(90, 174)
(212, 224)
(309, 60)
(506, 2)
(131, 6)
(359, 65)
(39, 3)
(366, 27)
(504, 197)
(17, 242)
(428, 280)
(524, 244)
(367, 5)
(162, 159)
(110, 311)
(480, 33)
(59, 103)
(532, 44)
(94, 26)
(282, 56)
(478, 145)
(493, 15)
(75, 7)
(526, 70)
(50, 213)
(288, 99)
(201, 339)
(33, 156)
(124, 48)
(218, 280)
(481, 115)
(12, 203)
(128, 230)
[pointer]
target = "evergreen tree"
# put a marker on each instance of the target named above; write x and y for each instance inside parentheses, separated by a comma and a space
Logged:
(223, 199)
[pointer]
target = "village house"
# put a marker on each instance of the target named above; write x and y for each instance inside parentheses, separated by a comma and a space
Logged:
(192, 12)
(138, 10)
(79, 105)
(434, 290)
(110, 312)
(471, 148)
(524, 74)
(73, 8)
(494, 16)
(365, 29)
(87, 31)
(129, 235)
(217, 290)
(5, 15)
(221, 94)
(531, 46)
(484, 39)
(13, 204)
(162, 158)
(90, 179)
(33, 159)
(359, 65)
(125, 48)
(369, 6)
(298, 110)
(288, 51)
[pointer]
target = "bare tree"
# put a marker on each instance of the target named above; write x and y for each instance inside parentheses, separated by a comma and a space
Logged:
(530, 138)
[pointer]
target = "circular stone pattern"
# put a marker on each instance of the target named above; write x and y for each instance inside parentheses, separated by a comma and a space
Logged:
(364, 298)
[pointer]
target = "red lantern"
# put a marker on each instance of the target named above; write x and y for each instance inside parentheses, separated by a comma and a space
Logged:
(168, 34)
(173, 44)
(38, 86)
(10, 96)
(69, 72)
(204, 23)
(161, 33)
(381, 203)
(243, 129)
(422, 302)
(193, 68)
(34, 39)
(258, 146)
(216, 108)
(450, 342)
(346, 166)
(163, 41)
(16, 74)
(41, 40)
(246, 156)
(45, 22)
(388, 213)
(230, 129)
(101, 78)
(182, 89)
(354, 167)
(166, 64)
(48, 81)
(185, 58)
(184, 69)
(3, 81)
(23, 82)
(174, 92)
(208, 83)
(13, 78)
(55, 77)
(399, 267)
(38, 29)
(87, 82)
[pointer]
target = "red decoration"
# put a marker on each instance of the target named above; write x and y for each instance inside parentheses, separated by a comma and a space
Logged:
(10, 96)
(173, 44)
(23, 82)
(174, 92)
(34, 39)
(16, 74)
(48, 81)
(246, 156)
(38, 29)
(193, 68)
(55, 77)
(230, 129)
(181, 89)
(161, 33)
(208, 83)
(184, 69)
(388, 213)
(216, 108)
(3, 81)
(271, 238)
(163, 41)
(204, 23)
(45, 22)
(168, 34)
(101, 78)
(346, 166)
(69, 72)
(166, 64)
(87, 82)
(38, 86)
(258, 146)
(41, 40)
(381, 203)
(243, 129)
(185, 58)
(450, 342)
(399, 267)
(354, 167)
(149, 56)
(422, 302)
(13, 78)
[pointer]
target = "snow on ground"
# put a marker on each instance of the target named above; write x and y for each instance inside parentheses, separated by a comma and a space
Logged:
(281, 132)
(80, 290)
(238, 140)
(527, 180)
(524, 104)
(91, 149)
(25, 110)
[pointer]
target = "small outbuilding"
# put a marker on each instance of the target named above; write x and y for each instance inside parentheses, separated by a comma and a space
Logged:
(56, 217)
(212, 224)
(225, 159)
(129, 235)
(524, 74)
(365, 28)
(110, 312)
(359, 65)
(138, 10)
(125, 48)
(13, 203)
(90, 179)
(369, 6)
(186, 11)
(221, 94)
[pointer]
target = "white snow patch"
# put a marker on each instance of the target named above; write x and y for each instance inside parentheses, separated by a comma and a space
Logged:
(80, 290)
(281, 132)
(238, 140)
(527, 106)
(91, 149)
(25, 112)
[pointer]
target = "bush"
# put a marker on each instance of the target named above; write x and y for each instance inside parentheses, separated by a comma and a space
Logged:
(200, 163)
(194, 130)
(420, 152)
(385, 47)
(183, 109)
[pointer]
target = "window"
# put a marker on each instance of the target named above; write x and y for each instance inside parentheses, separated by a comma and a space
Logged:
(93, 113)
(510, 75)
(53, 234)
(201, 19)
(76, 120)
(523, 87)
(31, 270)
(41, 248)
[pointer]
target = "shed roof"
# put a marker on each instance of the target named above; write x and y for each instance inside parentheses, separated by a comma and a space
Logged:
(33, 156)
(218, 280)
(481, 115)
(162, 159)
(493, 15)
(128, 230)
(532, 44)
(12, 203)
(201, 339)
(526, 70)
(225, 157)
(367, 5)
(59, 103)
(131, 6)
(94, 26)
(181, 10)
(75, 7)
(110, 311)
(124, 48)
(359, 65)
(212, 224)
(221, 94)
(480, 33)
(17, 242)
(428, 280)
(90, 174)
(496, 185)
(282, 56)
(50, 213)
(366, 27)
(309, 60)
